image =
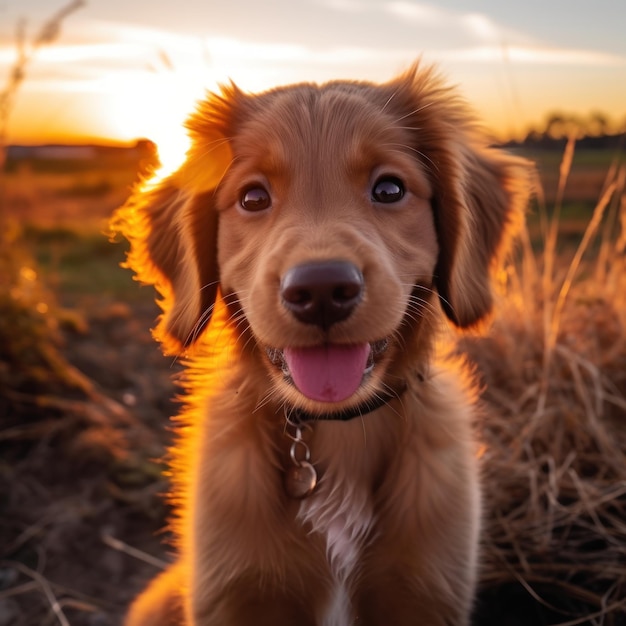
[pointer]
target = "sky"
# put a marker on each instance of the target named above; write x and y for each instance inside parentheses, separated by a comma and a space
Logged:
(125, 69)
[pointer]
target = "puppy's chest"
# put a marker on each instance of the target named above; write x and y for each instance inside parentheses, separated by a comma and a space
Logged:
(342, 512)
(341, 509)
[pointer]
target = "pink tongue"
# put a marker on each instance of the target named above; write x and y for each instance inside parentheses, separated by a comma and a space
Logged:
(329, 373)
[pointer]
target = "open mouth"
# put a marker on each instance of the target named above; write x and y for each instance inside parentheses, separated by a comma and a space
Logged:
(328, 372)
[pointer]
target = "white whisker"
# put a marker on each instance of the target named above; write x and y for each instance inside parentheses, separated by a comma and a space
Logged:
(414, 111)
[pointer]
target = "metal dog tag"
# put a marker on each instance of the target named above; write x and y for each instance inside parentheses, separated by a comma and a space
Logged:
(300, 480)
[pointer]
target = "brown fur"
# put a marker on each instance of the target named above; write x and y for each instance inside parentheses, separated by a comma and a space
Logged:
(402, 478)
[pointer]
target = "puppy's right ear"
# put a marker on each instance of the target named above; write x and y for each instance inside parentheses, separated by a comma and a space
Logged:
(172, 228)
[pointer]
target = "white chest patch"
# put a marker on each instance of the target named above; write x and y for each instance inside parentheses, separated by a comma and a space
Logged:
(344, 518)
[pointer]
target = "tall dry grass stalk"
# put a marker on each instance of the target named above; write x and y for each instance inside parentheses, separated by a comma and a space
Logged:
(554, 368)
(25, 54)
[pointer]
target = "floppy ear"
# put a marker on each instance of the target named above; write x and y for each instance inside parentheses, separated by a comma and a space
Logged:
(479, 194)
(171, 225)
(479, 207)
(173, 236)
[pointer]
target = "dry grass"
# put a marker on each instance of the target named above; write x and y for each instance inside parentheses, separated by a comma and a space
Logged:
(554, 369)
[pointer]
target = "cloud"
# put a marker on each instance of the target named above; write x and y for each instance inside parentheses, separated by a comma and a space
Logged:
(93, 53)
(416, 21)
(417, 13)
(531, 55)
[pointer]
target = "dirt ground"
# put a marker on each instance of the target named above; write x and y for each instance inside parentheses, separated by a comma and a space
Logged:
(80, 511)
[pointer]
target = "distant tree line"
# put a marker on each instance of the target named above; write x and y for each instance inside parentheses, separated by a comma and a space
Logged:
(594, 131)
(56, 158)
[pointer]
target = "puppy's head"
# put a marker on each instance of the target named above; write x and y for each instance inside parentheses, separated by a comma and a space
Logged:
(330, 218)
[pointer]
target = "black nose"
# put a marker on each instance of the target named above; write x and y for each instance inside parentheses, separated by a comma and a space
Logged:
(322, 293)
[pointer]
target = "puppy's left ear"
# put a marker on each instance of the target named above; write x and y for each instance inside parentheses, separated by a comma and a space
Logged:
(479, 205)
(173, 238)
(172, 223)
(478, 194)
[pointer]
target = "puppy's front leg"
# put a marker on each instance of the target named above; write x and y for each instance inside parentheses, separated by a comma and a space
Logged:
(251, 561)
(248, 601)
(161, 603)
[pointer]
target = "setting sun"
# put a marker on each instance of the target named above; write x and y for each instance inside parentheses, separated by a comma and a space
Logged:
(154, 107)
(112, 79)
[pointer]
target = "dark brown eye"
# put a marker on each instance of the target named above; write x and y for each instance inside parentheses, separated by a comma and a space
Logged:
(387, 190)
(255, 199)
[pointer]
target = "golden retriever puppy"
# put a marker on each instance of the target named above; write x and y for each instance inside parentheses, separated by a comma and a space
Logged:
(324, 471)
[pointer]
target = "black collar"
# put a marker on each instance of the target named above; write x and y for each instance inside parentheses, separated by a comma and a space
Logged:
(300, 416)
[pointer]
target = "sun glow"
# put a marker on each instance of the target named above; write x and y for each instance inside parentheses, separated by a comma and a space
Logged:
(154, 107)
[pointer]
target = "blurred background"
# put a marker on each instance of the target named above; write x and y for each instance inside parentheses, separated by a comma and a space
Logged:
(93, 96)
